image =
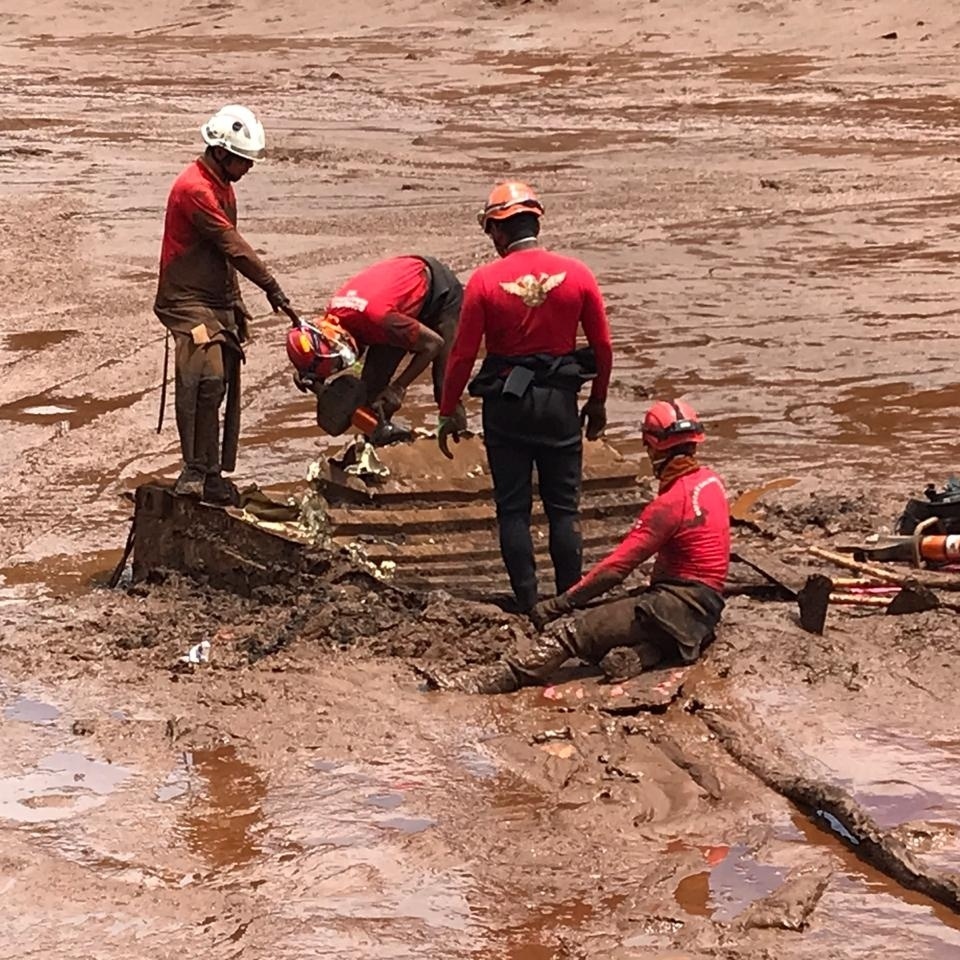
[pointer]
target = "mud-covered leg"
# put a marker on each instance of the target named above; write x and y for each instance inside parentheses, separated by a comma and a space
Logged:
(623, 644)
(533, 667)
(188, 359)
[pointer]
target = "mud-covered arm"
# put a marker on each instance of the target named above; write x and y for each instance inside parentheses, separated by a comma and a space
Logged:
(657, 523)
(466, 346)
(411, 335)
(214, 226)
(593, 318)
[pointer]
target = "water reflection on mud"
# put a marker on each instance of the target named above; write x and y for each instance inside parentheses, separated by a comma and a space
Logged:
(223, 823)
(732, 881)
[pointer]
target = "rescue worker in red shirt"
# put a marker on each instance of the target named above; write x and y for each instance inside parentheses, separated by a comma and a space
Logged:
(198, 298)
(687, 527)
(529, 306)
(399, 306)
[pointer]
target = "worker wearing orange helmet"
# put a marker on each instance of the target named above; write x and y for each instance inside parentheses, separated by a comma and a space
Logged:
(395, 307)
(687, 527)
(529, 307)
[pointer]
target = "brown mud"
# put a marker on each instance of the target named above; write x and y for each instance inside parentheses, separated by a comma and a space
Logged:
(767, 193)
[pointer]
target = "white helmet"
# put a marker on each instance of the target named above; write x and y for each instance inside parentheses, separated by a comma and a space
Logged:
(237, 130)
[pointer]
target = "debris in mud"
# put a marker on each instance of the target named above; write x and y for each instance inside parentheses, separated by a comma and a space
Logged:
(790, 906)
(198, 653)
(830, 513)
(767, 184)
(546, 736)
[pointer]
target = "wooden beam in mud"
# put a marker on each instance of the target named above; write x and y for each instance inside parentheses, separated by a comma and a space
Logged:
(790, 577)
(824, 801)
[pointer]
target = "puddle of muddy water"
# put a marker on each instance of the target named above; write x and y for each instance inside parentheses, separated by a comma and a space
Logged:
(732, 880)
(75, 411)
(30, 340)
(28, 710)
(223, 820)
(62, 575)
(63, 785)
(862, 896)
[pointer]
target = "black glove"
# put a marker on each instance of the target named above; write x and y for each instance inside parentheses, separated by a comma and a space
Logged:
(277, 299)
(305, 383)
(547, 610)
(390, 400)
(594, 416)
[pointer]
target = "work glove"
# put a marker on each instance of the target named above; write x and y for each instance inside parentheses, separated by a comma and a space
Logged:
(306, 383)
(594, 417)
(279, 301)
(449, 427)
(547, 610)
(390, 400)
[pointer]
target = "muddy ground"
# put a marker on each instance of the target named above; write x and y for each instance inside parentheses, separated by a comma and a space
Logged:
(767, 192)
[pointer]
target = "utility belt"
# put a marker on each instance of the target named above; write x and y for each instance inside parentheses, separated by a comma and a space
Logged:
(512, 377)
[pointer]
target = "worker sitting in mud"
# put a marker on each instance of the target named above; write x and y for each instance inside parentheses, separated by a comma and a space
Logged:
(687, 526)
(403, 305)
(198, 299)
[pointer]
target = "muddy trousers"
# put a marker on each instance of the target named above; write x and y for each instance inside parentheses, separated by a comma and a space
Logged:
(200, 387)
(590, 636)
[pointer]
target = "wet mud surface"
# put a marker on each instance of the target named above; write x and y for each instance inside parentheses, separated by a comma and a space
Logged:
(768, 195)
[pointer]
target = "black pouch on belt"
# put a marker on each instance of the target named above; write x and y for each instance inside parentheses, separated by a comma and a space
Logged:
(517, 382)
(338, 402)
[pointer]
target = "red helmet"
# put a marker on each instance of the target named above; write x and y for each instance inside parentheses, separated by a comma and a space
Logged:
(507, 200)
(671, 423)
(321, 349)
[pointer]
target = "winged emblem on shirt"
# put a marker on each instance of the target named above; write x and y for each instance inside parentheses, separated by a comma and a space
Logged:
(533, 290)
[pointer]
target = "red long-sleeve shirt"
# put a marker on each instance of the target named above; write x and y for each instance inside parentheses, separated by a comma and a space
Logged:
(381, 304)
(687, 527)
(202, 249)
(529, 302)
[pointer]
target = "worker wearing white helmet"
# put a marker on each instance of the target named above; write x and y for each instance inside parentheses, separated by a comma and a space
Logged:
(199, 301)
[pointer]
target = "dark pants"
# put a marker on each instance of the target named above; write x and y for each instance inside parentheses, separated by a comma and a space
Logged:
(541, 429)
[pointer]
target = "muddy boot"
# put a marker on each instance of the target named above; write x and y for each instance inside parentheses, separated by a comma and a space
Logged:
(190, 483)
(552, 649)
(489, 678)
(622, 663)
(219, 490)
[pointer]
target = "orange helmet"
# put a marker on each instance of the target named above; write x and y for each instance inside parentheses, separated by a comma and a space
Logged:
(321, 349)
(507, 200)
(671, 423)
